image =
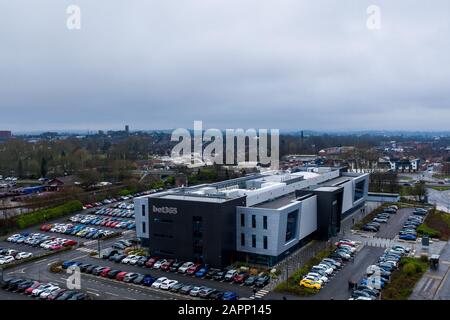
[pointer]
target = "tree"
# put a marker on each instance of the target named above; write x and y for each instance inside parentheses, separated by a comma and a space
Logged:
(20, 168)
(420, 190)
(44, 168)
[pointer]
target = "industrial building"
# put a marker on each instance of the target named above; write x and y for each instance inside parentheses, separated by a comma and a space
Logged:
(259, 218)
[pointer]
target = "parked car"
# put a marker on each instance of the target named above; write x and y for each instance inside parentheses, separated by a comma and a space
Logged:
(229, 276)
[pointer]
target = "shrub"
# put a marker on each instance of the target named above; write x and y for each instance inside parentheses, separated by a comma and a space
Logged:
(409, 269)
(424, 258)
(39, 216)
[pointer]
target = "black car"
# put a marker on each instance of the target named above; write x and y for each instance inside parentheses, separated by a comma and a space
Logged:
(78, 296)
(107, 253)
(118, 258)
(186, 289)
(139, 279)
(177, 287)
(90, 269)
(12, 285)
(211, 272)
(174, 267)
(219, 275)
(98, 270)
(66, 295)
(216, 295)
(142, 261)
(84, 266)
(113, 273)
(250, 280)
(262, 281)
(24, 285)
(6, 283)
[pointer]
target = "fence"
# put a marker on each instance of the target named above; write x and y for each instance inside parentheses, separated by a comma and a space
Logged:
(296, 260)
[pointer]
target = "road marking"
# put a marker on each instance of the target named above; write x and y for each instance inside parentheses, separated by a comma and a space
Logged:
(96, 294)
(112, 294)
(40, 261)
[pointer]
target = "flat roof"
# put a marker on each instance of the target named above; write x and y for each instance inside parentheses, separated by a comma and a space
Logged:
(336, 181)
(327, 189)
(278, 202)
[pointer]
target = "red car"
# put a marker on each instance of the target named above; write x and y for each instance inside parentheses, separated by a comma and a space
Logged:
(345, 243)
(56, 247)
(166, 265)
(46, 227)
(121, 275)
(88, 206)
(104, 273)
(114, 224)
(151, 262)
(69, 242)
(193, 269)
(34, 286)
(240, 277)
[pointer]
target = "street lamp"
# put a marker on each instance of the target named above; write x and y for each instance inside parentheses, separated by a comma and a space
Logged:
(287, 269)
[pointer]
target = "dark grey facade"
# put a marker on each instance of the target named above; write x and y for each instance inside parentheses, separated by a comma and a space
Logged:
(200, 231)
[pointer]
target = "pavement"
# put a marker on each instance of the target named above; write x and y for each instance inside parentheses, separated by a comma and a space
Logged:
(435, 284)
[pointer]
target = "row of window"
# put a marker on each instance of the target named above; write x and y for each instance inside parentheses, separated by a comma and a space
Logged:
(253, 221)
(265, 241)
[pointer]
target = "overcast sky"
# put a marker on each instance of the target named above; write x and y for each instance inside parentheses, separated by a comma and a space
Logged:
(287, 64)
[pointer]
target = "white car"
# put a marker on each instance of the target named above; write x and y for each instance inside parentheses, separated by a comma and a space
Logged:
(128, 259)
(351, 248)
(325, 268)
(315, 279)
(319, 276)
(134, 260)
(6, 259)
(23, 255)
(230, 275)
(185, 266)
(37, 292)
(168, 284)
(332, 261)
(47, 292)
(372, 269)
(159, 263)
(158, 282)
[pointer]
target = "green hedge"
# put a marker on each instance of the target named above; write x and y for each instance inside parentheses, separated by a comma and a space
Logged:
(39, 216)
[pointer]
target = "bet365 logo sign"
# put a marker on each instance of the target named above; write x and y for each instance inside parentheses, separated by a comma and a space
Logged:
(167, 210)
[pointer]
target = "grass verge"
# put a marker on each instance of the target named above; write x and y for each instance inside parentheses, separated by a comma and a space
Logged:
(436, 225)
(292, 284)
(405, 278)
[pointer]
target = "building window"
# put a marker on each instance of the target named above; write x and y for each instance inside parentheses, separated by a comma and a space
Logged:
(243, 239)
(265, 242)
(242, 220)
(143, 227)
(143, 210)
(291, 225)
(359, 190)
(265, 222)
(253, 241)
(253, 221)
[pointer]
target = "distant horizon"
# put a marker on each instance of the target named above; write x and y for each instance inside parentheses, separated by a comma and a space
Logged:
(286, 131)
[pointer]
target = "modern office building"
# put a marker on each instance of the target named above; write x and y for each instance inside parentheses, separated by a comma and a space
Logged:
(259, 218)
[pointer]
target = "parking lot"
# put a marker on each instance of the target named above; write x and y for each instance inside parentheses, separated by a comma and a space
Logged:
(390, 230)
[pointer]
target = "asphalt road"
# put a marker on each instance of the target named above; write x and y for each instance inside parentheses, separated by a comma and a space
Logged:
(390, 229)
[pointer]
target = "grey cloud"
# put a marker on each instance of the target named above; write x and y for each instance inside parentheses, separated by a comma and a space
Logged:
(285, 64)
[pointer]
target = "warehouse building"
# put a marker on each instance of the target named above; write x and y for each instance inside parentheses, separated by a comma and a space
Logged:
(259, 218)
